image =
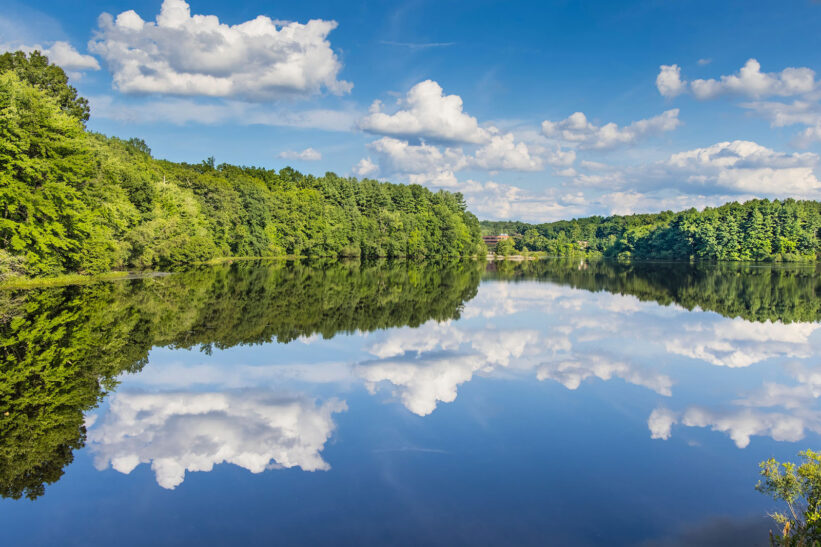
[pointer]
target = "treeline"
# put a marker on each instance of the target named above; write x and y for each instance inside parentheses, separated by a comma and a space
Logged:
(61, 350)
(764, 292)
(76, 201)
(758, 230)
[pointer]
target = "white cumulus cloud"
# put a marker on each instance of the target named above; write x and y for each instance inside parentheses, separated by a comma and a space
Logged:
(573, 372)
(182, 431)
(578, 130)
(365, 168)
(184, 54)
(740, 425)
(502, 152)
(661, 422)
(739, 343)
(669, 82)
(746, 166)
(427, 113)
(749, 81)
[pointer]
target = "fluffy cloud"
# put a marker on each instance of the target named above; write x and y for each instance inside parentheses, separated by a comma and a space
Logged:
(422, 383)
(426, 113)
(400, 157)
(749, 81)
(703, 176)
(739, 343)
(577, 130)
(433, 375)
(661, 422)
(436, 166)
(669, 81)
(745, 166)
(504, 201)
(740, 425)
(502, 152)
(365, 168)
(572, 373)
(309, 154)
(59, 53)
(181, 54)
(179, 432)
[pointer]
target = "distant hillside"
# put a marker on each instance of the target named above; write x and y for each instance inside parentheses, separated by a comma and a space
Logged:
(758, 230)
(75, 201)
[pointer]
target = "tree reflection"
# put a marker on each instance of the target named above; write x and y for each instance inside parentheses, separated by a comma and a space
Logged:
(62, 350)
(755, 292)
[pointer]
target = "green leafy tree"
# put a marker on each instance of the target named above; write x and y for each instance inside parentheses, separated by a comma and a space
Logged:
(799, 488)
(37, 71)
(505, 247)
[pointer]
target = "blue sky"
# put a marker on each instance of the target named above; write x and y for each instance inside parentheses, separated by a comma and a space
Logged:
(537, 111)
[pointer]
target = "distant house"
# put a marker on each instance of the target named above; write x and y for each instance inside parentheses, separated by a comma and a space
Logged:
(491, 241)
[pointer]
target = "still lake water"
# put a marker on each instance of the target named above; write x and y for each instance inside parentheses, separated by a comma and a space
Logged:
(555, 402)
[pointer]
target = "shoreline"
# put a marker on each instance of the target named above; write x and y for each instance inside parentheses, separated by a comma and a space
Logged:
(21, 283)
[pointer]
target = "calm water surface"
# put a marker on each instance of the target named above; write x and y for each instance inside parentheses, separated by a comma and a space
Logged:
(557, 402)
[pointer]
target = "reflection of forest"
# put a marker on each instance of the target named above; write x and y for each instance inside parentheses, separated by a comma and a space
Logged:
(62, 349)
(755, 292)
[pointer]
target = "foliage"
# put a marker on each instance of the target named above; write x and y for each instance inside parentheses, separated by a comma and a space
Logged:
(36, 70)
(505, 247)
(74, 201)
(61, 349)
(767, 292)
(799, 487)
(758, 230)
(10, 266)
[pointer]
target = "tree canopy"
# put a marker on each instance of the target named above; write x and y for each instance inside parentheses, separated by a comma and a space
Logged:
(37, 71)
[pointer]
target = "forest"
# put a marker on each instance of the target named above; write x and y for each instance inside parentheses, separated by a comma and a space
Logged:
(758, 230)
(74, 201)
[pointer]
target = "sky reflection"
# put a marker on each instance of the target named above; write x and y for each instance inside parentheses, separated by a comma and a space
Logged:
(274, 406)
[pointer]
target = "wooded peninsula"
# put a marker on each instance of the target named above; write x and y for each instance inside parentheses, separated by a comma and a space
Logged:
(75, 201)
(758, 230)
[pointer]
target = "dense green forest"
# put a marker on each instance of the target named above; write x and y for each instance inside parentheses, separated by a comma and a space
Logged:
(758, 230)
(76, 201)
(755, 292)
(62, 349)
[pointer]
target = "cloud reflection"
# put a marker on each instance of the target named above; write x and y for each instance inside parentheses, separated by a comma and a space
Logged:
(177, 432)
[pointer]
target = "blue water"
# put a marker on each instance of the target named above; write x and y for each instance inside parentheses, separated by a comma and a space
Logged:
(544, 415)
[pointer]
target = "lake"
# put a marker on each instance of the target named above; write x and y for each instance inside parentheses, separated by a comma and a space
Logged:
(558, 402)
